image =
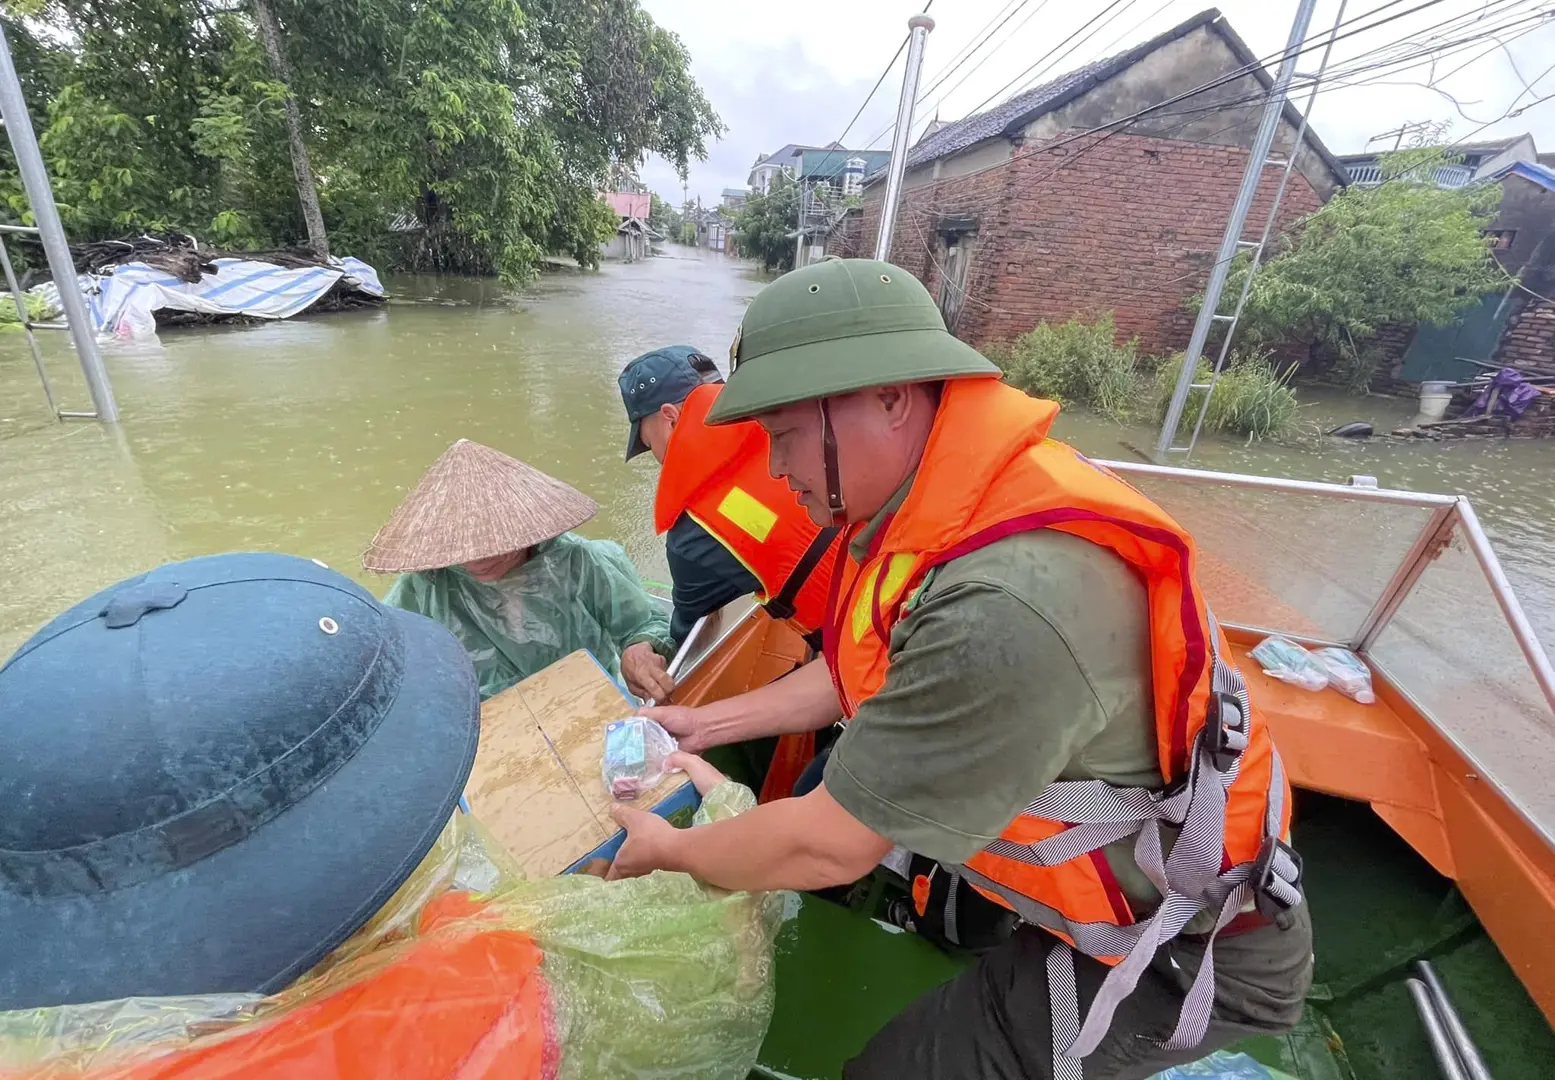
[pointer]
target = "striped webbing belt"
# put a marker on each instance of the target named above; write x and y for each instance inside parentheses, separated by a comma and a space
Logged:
(1190, 880)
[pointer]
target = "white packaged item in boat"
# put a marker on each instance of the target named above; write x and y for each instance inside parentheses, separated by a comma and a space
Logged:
(635, 752)
(1347, 673)
(1282, 659)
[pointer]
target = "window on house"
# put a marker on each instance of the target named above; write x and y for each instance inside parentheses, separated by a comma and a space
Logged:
(1501, 239)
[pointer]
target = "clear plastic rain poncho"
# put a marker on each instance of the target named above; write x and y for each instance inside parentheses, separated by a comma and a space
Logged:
(469, 971)
(571, 594)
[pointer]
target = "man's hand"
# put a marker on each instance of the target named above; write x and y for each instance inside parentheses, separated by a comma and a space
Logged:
(703, 777)
(683, 722)
(646, 672)
(649, 839)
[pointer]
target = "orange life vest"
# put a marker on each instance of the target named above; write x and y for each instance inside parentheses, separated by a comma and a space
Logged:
(988, 471)
(469, 1003)
(719, 476)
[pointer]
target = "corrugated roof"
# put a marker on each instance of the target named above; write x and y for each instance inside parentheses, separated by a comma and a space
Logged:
(735, 193)
(829, 163)
(1016, 113)
(1531, 171)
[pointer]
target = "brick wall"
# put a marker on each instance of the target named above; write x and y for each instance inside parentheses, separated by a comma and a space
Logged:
(1529, 339)
(847, 237)
(1128, 224)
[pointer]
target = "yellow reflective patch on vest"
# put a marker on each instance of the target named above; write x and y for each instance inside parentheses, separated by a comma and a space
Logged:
(896, 576)
(742, 509)
(864, 606)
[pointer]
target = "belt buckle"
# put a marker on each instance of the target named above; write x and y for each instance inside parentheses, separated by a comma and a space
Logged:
(1221, 753)
(1265, 873)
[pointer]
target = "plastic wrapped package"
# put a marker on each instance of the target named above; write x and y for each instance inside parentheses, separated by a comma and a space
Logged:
(1347, 673)
(571, 594)
(1224, 1065)
(636, 752)
(1282, 659)
(469, 972)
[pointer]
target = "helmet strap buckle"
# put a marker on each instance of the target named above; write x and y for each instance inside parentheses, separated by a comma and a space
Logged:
(834, 504)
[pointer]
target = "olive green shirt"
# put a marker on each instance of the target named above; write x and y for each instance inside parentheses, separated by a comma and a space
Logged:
(1023, 662)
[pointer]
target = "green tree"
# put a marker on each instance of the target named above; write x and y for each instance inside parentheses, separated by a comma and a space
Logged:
(1403, 252)
(464, 135)
(763, 226)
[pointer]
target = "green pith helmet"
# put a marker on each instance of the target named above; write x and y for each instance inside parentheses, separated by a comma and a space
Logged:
(837, 326)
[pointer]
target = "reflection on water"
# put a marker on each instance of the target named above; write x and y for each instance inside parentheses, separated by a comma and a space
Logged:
(301, 436)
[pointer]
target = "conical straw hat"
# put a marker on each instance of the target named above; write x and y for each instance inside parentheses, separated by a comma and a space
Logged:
(474, 503)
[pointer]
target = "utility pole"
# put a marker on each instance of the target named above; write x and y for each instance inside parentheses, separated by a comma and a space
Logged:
(40, 196)
(1232, 242)
(918, 28)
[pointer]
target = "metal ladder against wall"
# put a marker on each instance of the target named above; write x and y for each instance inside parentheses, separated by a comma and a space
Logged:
(28, 326)
(1256, 248)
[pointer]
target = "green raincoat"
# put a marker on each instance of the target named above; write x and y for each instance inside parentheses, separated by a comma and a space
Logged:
(571, 594)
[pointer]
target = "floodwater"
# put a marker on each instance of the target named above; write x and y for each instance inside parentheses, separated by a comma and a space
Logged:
(301, 436)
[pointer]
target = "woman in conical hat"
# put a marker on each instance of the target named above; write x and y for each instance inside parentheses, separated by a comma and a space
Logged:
(483, 546)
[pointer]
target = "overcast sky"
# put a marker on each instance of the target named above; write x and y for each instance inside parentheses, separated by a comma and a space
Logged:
(797, 71)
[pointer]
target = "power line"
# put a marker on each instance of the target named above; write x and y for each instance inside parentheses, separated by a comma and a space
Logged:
(1089, 22)
(918, 214)
(1241, 72)
(876, 88)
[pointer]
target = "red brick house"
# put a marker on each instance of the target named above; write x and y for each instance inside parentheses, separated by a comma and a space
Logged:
(1027, 212)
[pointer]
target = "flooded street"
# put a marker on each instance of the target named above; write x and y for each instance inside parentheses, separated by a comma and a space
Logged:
(301, 436)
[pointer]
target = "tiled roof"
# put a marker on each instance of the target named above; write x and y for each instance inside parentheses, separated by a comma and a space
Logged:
(1019, 111)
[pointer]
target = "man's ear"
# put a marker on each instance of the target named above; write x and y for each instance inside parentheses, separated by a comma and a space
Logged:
(671, 414)
(897, 401)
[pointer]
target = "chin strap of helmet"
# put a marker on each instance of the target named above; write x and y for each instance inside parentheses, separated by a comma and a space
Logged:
(834, 503)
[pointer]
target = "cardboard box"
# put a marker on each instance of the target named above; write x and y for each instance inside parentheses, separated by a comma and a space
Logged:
(536, 783)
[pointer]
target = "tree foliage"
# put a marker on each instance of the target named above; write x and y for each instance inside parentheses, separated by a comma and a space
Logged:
(1403, 252)
(764, 224)
(447, 135)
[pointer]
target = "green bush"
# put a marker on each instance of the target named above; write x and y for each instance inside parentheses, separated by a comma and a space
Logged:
(38, 310)
(1252, 397)
(1076, 362)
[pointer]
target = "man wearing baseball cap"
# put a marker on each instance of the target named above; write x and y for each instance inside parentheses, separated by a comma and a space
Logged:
(730, 528)
(1037, 701)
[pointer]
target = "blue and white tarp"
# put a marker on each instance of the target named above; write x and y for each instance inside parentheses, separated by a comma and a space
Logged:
(121, 303)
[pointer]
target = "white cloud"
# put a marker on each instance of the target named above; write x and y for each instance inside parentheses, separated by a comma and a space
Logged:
(797, 72)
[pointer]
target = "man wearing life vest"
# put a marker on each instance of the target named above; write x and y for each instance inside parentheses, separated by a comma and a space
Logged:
(731, 529)
(1038, 702)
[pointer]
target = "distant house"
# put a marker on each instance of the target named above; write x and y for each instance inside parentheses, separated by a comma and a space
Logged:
(630, 204)
(733, 198)
(1515, 326)
(1472, 161)
(634, 237)
(1066, 200)
(714, 231)
(769, 167)
(830, 181)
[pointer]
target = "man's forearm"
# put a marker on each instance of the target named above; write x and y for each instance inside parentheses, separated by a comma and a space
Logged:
(786, 844)
(804, 700)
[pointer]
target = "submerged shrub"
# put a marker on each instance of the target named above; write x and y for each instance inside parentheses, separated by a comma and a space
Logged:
(1252, 396)
(1073, 362)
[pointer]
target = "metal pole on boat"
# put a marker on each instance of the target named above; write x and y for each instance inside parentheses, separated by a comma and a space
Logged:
(1473, 1065)
(40, 195)
(1441, 1045)
(918, 28)
(1232, 242)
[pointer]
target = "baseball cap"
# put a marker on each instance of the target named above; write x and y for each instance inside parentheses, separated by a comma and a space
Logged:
(664, 376)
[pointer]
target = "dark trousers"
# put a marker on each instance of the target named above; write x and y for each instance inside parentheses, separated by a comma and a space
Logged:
(993, 1021)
